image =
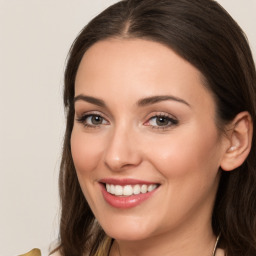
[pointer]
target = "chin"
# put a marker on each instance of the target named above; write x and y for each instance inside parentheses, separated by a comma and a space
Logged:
(127, 235)
(128, 229)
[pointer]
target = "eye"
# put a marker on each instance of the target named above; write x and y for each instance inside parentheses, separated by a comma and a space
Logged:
(161, 121)
(95, 120)
(92, 120)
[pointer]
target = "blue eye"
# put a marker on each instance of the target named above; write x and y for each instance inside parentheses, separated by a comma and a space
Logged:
(92, 120)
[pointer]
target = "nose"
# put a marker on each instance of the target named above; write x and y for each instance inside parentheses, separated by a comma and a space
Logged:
(122, 151)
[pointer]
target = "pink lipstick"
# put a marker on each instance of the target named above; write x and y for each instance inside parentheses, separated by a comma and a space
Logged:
(127, 193)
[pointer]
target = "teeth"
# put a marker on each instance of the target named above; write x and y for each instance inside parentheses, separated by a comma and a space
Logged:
(144, 189)
(136, 189)
(129, 190)
(118, 190)
(112, 189)
(151, 187)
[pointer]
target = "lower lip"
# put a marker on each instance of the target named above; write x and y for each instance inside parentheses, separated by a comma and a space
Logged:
(124, 202)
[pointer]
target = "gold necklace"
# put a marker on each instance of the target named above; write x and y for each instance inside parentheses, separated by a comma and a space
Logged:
(215, 246)
(213, 253)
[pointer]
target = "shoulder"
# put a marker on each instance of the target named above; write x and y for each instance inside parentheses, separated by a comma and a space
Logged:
(220, 252)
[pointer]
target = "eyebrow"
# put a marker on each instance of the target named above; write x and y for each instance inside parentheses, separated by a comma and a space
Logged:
(90, 99)
(141, 103)
(156, 99)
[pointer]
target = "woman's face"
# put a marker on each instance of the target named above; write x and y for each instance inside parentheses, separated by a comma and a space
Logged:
(144, 143)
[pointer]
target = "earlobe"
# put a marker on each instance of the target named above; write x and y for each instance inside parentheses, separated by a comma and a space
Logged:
(240, 138)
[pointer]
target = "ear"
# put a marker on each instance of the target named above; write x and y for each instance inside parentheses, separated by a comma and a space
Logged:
(239, 134)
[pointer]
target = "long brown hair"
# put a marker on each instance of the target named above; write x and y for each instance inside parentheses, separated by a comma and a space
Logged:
(204, 34)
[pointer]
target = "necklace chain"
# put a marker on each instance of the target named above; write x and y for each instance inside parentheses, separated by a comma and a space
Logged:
(215, 246)
(213, 253)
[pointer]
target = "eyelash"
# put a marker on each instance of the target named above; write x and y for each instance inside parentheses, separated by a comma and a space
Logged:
(83, 118)
(171, 121)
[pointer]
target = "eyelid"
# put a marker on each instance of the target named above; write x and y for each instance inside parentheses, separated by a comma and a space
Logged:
(160, 113)
(87, 113)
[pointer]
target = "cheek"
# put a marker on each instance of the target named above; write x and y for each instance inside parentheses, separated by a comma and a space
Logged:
(188, 164)
(186, 153)
(86, 152)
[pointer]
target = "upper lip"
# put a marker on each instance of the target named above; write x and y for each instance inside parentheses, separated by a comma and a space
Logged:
(126, 181)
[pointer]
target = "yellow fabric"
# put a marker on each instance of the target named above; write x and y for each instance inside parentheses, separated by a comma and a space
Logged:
(34, 252)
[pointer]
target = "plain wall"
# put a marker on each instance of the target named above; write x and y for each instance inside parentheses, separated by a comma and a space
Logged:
(35, 37)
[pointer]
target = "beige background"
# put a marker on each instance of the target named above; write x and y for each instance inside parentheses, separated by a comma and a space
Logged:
(35, 36)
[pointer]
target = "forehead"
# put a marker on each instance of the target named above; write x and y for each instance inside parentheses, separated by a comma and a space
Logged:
(138, 68)
(136, 56)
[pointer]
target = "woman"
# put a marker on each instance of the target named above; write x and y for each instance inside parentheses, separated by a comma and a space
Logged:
(159, 151)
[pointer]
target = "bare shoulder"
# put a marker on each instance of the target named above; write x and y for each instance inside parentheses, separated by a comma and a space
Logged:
(220, 252)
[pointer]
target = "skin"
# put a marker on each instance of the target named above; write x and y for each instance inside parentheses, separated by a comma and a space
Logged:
(183, 157)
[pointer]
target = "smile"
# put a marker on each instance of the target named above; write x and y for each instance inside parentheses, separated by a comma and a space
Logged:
(129, 190)
(127, 193)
